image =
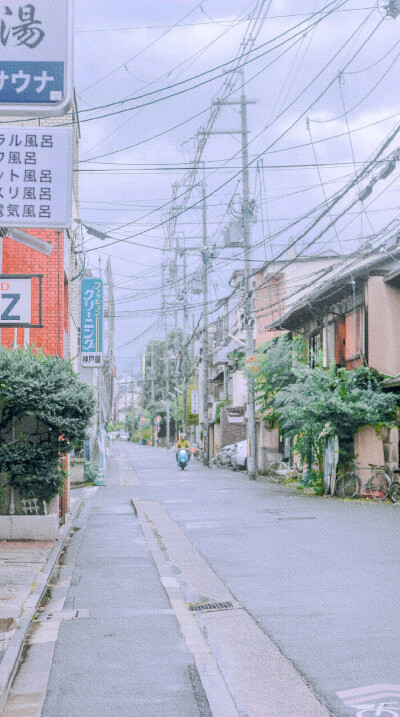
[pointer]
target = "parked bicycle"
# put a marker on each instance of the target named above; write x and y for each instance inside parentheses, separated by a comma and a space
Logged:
(352, 485)
(394, 490)
(198, 454)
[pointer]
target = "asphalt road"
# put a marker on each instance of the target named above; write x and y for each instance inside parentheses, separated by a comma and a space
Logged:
(319, 575)
(314, 582)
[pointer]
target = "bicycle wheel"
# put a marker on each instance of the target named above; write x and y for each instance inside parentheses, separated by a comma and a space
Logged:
(347, 485)
(278, 471)
(394, 492)
(379, 485)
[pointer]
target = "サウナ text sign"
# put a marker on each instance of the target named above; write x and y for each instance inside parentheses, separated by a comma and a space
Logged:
(35, 56)
(35, 177)
(92, 322)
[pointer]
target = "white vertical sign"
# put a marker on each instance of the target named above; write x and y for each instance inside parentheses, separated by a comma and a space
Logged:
(36, 56)
(195, 403)
(36, 177)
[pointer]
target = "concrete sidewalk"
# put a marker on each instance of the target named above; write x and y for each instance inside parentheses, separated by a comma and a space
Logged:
(25, 568)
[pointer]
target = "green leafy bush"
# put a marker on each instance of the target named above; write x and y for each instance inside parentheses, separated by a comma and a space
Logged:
(90, 473)
(311, 402)
(44, 411)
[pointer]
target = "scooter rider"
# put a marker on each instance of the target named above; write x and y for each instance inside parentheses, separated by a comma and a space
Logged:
(182, 444)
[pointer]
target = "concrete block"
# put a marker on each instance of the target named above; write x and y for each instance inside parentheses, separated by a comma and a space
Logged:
(5, 527)
(34, 527)
(76, 470)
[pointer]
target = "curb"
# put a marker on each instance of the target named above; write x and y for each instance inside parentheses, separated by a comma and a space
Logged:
(220, 701)
(10, 661)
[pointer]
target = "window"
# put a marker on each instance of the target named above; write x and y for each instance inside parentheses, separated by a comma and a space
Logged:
(314, 348)
(354, 323)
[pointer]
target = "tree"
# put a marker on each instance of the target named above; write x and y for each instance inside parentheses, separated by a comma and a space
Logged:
(156, 348)
(308, 402)
(44, 411)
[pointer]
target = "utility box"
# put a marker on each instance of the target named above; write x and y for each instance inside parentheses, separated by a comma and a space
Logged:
(233, 235)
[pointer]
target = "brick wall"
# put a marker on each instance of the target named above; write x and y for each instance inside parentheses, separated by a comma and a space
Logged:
(19, 259)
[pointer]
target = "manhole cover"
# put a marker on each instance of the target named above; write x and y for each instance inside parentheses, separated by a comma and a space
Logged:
(209, 606)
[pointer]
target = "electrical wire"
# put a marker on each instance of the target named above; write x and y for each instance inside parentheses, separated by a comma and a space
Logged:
(283, 133)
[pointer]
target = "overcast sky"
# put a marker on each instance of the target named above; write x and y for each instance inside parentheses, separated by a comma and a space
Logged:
(338, 67)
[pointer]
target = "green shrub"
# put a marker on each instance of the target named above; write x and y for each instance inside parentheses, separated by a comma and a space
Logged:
(42, 391)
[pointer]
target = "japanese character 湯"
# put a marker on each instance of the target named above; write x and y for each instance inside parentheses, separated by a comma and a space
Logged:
(27, 33)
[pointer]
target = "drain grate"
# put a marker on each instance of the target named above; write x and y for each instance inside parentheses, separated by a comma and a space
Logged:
(209, 606)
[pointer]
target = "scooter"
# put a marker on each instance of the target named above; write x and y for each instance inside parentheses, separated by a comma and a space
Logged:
(183, 458)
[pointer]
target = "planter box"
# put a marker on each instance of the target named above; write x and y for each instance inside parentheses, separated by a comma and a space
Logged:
(31, 527)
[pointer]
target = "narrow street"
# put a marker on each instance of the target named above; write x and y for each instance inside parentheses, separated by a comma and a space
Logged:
(313, 585)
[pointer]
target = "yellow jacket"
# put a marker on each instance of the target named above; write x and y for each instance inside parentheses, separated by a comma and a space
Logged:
(182, 444)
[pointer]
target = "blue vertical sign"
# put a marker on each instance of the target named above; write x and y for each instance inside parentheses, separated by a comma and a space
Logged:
(92, 323)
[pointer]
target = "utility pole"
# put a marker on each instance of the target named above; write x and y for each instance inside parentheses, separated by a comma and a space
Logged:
(176, 371)
(205, 259)
(152, 386)
(184, 348)
(248, 298)
(132, 397)
(247, 210)
(166, 356)
(152, 369)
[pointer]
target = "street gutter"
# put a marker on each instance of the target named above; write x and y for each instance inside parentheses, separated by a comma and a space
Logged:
(10, 662)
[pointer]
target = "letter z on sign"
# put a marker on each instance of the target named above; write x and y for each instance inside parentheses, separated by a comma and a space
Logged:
(15, 302)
